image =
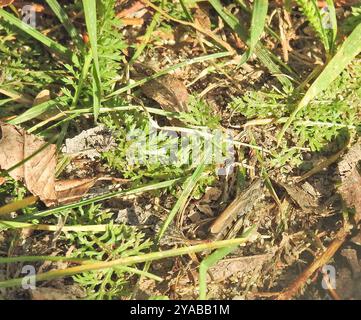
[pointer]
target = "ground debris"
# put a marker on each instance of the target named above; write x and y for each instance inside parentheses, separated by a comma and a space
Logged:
(90, 143)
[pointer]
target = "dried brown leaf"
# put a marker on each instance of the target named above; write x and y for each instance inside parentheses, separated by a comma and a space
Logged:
(42, 96)
(167, 90)
(68, 191)
(38, 173)
(5, 3)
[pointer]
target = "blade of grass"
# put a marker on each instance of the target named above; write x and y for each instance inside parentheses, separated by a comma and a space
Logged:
(186, 11)
(79, 88)
(188, 187)
(35, 34)
(146, 38)
(90, 12)
(140, 273)
(333, 21)
(121, 193)
(258, 22)
(265, 57)
(211, 260)
(311, 11)
(344, 56)
(196, 26)
(5, 224)
(17, 205)
(40, 258)
(126, 261)
(38, 110)
(67, 23)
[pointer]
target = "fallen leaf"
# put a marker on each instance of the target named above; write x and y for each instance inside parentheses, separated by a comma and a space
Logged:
(5, 3)
(211, 194)
(37, 173)
(202, 15)
(42, 96)
(167, 90)
(68, 191)
(206, 209)
(351, 193)
(130, 12)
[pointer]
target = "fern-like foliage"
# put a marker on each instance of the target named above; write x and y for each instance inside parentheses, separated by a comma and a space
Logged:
(313, 15)
(116, 242)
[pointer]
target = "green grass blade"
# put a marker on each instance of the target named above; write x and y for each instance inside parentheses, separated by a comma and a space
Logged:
(90, 12)
(208, 262)
(35, 34)
(125, 261)
(122, 193)
(262, 54)
(346, 53)
(97, 94)
(333, 21)
(40, 258)
(186, 11)
(211, 260)
(37, 110)
(258, 23)
(146, 37)
(64, 19)
(188, 187)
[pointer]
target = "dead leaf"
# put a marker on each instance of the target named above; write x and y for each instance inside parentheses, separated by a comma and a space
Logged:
(322, 3)
(68, 191)
(167, 90)
(43, 96)
(130, 12)
(304, 194)
(37, 173)
(5, 3)
(202, 15)
(206, 209)
(211, 194)
(351, 192)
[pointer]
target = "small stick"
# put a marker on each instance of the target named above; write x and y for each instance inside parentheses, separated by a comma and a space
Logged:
(301, 280)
